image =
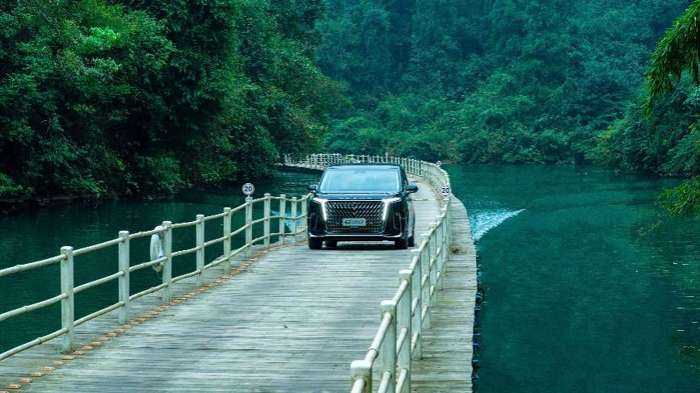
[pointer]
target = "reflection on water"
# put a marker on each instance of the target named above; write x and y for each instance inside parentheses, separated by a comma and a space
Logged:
(583, 293)
(39, 233)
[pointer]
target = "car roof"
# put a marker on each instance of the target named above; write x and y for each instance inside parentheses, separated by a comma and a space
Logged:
(378, 166)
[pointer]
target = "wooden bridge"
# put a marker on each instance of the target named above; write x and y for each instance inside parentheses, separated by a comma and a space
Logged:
(271, 315)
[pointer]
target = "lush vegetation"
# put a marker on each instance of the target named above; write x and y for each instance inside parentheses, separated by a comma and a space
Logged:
(516, 81)
(138, 96)
(659, 133)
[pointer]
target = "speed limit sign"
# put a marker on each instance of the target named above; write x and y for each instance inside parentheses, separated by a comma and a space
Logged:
(446, 190)
(248, 189)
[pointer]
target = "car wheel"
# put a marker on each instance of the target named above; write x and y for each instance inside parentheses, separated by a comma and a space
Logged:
(401, 244)
(315, 244)
(412, 239)
(331, 243)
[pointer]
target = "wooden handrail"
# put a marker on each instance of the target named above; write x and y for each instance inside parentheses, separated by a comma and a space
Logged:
(68, 289)
(399, 337)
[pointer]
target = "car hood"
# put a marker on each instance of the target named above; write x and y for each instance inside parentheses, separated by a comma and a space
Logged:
(350, 197)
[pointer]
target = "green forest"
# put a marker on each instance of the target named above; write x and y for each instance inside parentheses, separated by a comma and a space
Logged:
(105, 97)
(510, 81)
(119, 97)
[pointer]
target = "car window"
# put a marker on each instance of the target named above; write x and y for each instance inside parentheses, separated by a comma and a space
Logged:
(358, 180)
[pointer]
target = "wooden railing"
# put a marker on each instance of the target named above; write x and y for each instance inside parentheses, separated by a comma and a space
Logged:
(66, 297)
(399, 338)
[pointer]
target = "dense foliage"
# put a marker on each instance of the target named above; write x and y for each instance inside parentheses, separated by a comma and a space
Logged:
(139, 96)
(133, 96)
(672, 101)
(487, 80)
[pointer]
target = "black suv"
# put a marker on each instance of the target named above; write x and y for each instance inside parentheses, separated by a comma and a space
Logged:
(362, 202)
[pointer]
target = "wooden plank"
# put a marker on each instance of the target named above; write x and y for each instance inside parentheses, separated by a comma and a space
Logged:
(447, 345)
(291, 322)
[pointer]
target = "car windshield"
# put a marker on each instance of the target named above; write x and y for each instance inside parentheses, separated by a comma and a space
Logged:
(361, 180)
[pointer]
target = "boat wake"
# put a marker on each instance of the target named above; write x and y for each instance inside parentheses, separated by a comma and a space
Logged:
(485, 220)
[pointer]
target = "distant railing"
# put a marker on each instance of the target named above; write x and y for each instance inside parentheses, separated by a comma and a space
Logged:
(164, 231)
(399, 338)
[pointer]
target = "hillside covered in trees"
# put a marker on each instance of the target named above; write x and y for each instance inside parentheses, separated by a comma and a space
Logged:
(137, 96)
(515, 81)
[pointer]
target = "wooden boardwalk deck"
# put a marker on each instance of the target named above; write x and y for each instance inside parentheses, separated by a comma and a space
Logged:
(447, 345)
(292, 320)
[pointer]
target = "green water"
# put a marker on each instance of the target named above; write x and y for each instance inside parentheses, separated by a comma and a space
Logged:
(582, 293)
(39, 233)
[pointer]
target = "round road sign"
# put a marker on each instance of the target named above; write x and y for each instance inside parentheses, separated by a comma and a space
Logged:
(446, 190)
(248, 189)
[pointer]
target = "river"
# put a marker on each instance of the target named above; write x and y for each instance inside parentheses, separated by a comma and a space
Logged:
(586, 289)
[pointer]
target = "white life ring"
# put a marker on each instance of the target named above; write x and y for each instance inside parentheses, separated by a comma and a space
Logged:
(157, 249)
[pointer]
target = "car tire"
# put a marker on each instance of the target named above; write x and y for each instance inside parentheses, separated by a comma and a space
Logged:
(315, 244)
(331, 243)
(401, 244)
(412, 239)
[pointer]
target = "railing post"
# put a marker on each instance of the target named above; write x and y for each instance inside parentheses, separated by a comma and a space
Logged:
(304, 216)
(68, 303)
(432, 241)
(440, 247)
(445, 241)
(417, 326)
(294, 220)
(361, 370)
(425, 276)
(227, 240)
(266, 223)
(404, 322)
(388, 348)
(248, 226)
(168, 264)
(283, 219)
(124, 262)
(448, 217)
(199, 227)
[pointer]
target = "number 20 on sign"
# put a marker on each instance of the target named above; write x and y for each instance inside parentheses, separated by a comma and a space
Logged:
(248, 189)
(446, 190)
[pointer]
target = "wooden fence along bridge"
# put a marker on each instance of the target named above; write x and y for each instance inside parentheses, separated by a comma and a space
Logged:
(269, 316)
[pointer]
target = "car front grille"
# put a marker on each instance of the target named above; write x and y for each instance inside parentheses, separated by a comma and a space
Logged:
(372, 211)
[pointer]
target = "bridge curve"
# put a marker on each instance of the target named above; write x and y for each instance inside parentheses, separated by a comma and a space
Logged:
(287, 319)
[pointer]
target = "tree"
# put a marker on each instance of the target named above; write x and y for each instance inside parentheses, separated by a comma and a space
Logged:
(676, 54)
(141, 96)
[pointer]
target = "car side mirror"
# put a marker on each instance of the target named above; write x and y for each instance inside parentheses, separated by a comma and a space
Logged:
(313, 188)
(411, 188)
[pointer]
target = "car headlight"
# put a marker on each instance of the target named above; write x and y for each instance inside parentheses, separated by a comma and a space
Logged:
(387, 202)
(322, 202)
